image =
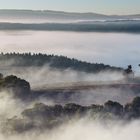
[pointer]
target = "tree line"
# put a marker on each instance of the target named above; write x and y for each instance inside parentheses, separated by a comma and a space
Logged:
(54, 61)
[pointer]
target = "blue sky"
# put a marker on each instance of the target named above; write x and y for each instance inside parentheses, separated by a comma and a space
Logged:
(98, 6)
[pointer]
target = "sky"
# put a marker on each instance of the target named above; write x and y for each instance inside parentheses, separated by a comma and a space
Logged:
(97, 6)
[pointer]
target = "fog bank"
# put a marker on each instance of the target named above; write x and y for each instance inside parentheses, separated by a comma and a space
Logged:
(85, 129)
(109, 48)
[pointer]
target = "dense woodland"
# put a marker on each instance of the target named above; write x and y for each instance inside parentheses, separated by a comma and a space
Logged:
(54, 61)
(42, 117)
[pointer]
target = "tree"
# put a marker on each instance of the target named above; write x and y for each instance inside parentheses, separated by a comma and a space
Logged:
(113, 107)
(1, 76)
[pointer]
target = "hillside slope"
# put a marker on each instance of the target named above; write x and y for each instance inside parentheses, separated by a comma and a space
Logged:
(54, 61)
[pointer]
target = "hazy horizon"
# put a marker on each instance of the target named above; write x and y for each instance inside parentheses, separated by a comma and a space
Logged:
(67, 11)
(104, 6)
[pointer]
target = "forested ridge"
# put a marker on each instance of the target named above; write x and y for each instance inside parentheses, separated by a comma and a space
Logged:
(109, 26)
(54, 61)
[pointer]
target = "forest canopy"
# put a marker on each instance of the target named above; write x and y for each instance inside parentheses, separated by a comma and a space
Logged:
(54, 61)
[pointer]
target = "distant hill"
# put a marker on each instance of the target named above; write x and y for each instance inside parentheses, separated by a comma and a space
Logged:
(49, 14)
(57, 15)
(54, 61)
(126, 26)
(47, 20)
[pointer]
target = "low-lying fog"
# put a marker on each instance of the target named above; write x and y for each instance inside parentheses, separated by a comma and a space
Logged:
(45, 78)
(86, 128)
(118, 49)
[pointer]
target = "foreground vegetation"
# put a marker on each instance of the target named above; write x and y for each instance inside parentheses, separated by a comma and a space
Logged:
(42, 117)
